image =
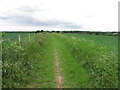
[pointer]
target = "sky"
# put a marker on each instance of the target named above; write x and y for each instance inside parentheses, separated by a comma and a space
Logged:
(82, 15)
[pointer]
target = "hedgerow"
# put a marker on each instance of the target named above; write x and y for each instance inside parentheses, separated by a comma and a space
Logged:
(20, 61)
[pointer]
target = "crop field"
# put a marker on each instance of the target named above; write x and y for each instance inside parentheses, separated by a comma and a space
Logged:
(101, 40)
(14, 36)
(57, 60)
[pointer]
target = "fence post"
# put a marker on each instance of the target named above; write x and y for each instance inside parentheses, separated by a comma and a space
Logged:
(29, 37)
(19, 38)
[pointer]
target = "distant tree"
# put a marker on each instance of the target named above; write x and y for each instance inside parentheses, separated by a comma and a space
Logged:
(53, 31)
(42, 30)
(90, 32)
(37, 31)
(57, 31)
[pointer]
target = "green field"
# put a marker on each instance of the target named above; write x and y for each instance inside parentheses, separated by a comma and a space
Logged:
(52, 60)
(101, 40)
(14, 36)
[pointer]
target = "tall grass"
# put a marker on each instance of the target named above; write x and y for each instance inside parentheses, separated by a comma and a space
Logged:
(21, 61)
(100, 62)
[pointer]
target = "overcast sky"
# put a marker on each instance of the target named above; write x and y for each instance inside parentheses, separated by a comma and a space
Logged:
(85, 15)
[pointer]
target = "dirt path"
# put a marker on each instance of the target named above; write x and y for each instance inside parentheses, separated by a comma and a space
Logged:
(59, 77)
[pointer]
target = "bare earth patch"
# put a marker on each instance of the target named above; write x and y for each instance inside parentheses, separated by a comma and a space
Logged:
(59, 77)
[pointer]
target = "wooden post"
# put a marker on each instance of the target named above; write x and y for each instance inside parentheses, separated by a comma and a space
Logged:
(34, 34)
(29, 37)
(19, 38)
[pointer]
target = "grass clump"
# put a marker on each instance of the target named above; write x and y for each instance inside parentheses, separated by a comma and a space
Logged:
(100, 63)
(23, 63)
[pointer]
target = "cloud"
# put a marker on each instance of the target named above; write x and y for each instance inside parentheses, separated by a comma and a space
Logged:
(29, 9)
(88, 16)
(58, 13)
(29, 20)
(73, 26)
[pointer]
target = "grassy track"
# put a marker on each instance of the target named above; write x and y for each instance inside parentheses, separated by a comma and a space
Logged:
(60, 61)
(73, 77)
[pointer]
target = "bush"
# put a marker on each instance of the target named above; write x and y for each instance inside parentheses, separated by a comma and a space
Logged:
(20, 61)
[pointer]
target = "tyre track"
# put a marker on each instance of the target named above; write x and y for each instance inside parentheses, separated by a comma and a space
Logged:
(59, 78)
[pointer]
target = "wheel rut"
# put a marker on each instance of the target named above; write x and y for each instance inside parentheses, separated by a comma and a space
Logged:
(58, 70)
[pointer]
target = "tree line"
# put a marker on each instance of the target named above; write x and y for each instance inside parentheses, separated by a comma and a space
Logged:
(74, 32)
